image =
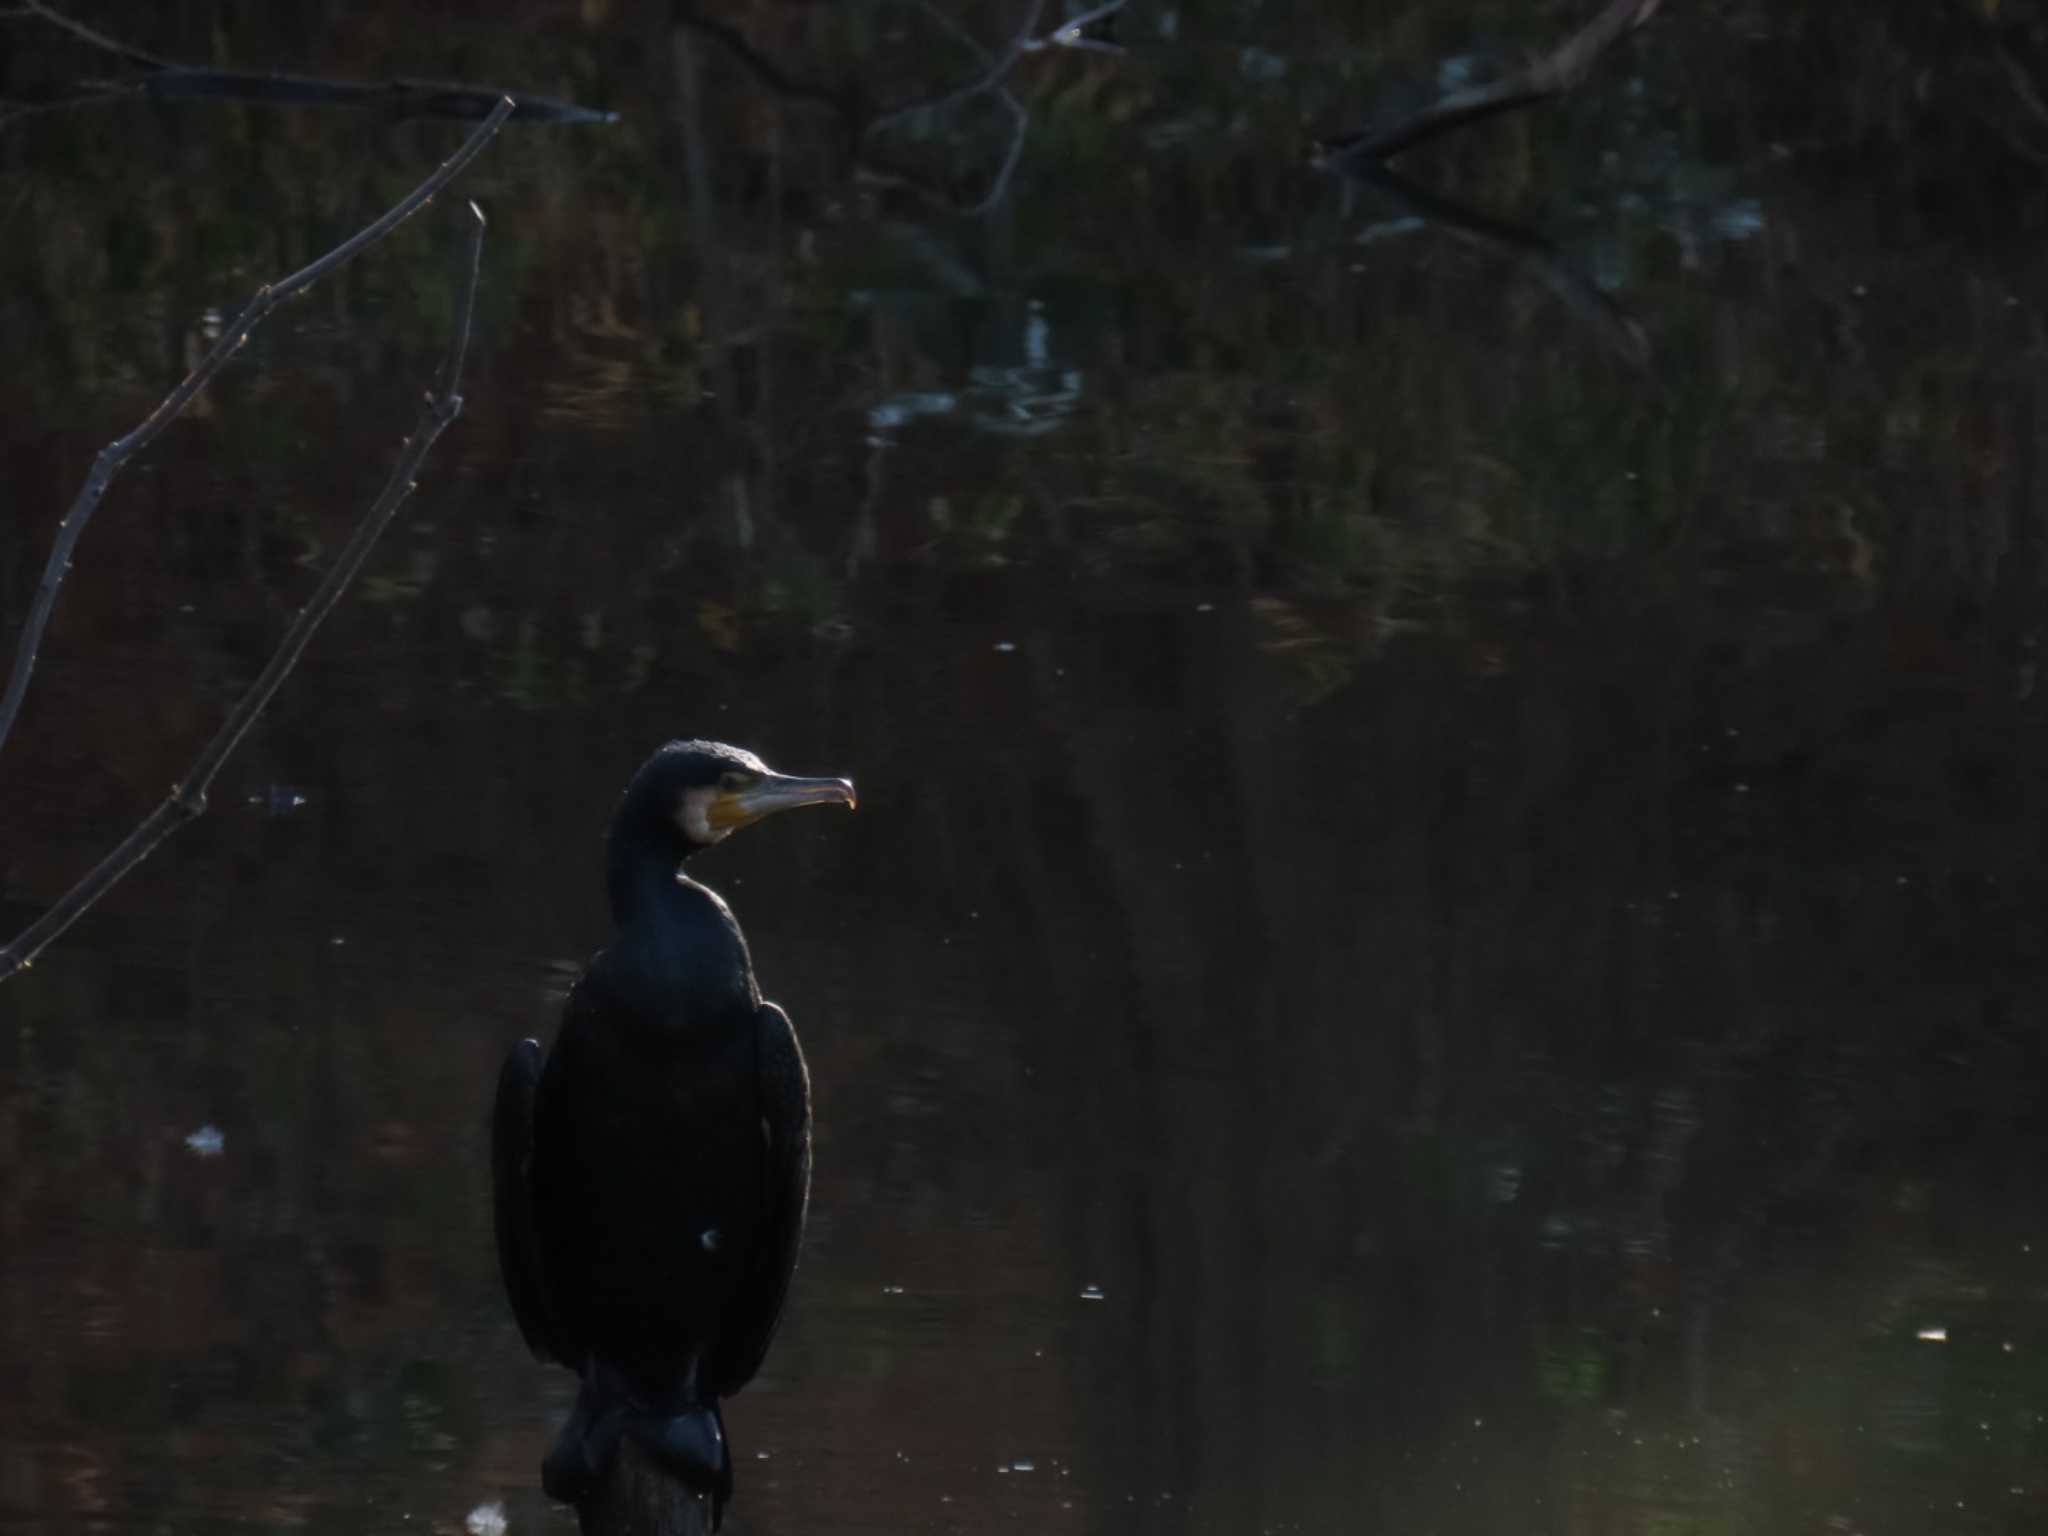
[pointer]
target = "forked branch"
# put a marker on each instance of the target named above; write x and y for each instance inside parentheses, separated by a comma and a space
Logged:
(232, 339)
(441, 405)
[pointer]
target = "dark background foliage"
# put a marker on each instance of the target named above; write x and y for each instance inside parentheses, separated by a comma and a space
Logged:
(1444, 929)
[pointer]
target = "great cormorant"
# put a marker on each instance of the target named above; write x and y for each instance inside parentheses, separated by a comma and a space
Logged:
(650, 1178)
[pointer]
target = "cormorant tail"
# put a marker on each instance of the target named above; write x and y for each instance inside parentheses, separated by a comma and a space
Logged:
(689, 1444)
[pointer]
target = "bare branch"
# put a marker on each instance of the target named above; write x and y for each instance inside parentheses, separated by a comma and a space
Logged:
(233, 337)
(1556, 72)
(187, 799)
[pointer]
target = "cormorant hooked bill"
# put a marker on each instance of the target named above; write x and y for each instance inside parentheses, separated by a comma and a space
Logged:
(650, 1178)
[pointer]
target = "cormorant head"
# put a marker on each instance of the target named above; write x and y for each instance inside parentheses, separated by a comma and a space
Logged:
(692, 794)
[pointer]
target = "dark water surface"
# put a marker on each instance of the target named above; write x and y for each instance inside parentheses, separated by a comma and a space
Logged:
(1445, 929)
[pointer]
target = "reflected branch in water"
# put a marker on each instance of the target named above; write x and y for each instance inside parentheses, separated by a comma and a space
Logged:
(1020, 123)
(2023, 90)
(995, 68)
(1618, 330)
(1562, 69)
(991, 82)
(441, 405)
(759, 65)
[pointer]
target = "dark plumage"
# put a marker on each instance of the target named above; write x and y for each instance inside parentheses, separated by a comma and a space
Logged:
(651, 1175)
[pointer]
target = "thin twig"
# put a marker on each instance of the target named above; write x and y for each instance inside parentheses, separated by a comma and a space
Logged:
(397, 98)
(83, 33)
(115, 455)
(187, 799)
(1560, 70)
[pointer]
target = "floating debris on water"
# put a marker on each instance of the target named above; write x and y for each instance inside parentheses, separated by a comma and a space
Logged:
(904, 409)
(278, 799)
(486, 1520)
(1023, 1464)
(1091, 1293)
(207, 1141)
(1935, 1335)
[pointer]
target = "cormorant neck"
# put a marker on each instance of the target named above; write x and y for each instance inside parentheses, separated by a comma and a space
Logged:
(641, 879)
(678, 944)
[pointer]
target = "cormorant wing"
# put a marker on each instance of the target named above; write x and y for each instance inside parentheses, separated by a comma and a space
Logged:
(785, 1089)
(512, 1195)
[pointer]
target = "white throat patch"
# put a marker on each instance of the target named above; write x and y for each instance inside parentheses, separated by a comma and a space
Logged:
(695, 815)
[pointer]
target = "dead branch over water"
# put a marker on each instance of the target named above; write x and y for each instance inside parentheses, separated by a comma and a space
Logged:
(187, 799)
(232, 338)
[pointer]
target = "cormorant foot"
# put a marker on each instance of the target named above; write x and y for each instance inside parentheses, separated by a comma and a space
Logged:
(584, 1449)
(687, 1443)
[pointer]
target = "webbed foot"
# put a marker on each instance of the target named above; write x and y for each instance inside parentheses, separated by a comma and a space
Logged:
(687, 1443)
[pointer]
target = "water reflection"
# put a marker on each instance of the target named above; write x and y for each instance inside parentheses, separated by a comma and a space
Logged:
(1432, 941)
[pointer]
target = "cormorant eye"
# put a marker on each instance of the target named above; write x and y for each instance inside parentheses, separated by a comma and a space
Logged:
(733, 780)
